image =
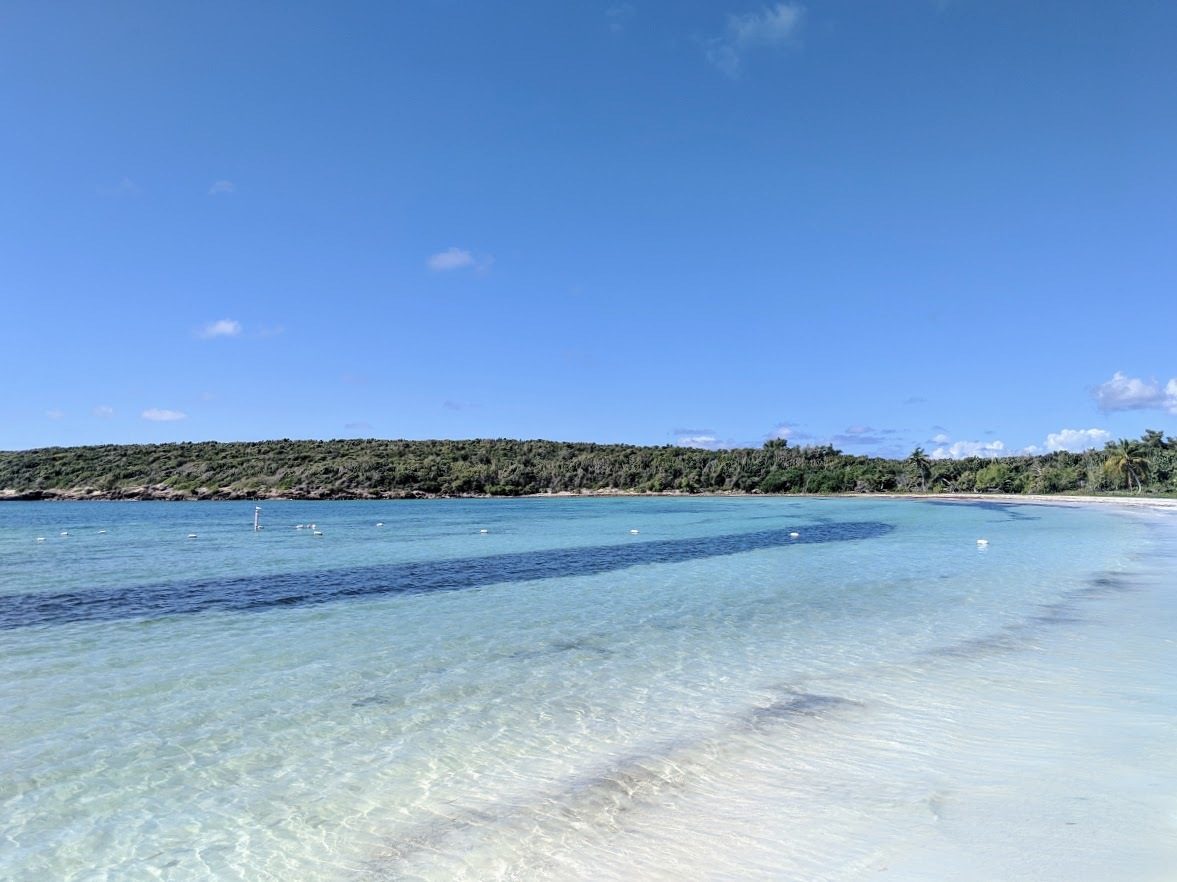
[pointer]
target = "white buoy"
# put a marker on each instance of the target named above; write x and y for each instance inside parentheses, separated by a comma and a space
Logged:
(635, 532)
(380, 523)
(298, 526)
(65, 532)
(317, 532)
(982, 542)
(257, 513)
(191, 535)
(794, 535)
(484, 531)
(40, 538)
(100, 532)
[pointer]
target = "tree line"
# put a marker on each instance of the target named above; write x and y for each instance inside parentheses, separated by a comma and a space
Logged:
(361, 469)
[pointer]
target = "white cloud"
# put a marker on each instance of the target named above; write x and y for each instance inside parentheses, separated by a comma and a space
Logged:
(55, 414)
(103, 411)
(1122, 392)
(772, 26)
(704, 442)
(1077, 440)
(783, 432)
(965, 449)
(222, 188)
(157, 415)
(940, 438)
(222, 328)
(451, 259)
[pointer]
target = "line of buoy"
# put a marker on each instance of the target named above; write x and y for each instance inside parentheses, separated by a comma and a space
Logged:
(794, 535)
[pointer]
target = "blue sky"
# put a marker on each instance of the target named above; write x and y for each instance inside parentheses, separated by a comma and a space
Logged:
(938, 222)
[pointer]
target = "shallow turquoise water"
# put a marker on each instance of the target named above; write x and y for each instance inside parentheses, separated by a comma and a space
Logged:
(559, 697)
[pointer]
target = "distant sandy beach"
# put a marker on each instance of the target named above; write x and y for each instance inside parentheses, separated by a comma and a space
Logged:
(1126, 501)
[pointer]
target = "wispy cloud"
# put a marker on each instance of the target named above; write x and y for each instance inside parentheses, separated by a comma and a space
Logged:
(55, 414)
(862, 436)
(103, 411)
(222, 328)
(125, 187)
(1122, 392)
(454, 258)
(618, 16)
(450, 404)
(769, 27)
(222, 188)
(160, 415)
(358, 426)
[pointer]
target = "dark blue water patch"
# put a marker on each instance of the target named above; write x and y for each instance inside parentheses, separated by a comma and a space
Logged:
(257, 593)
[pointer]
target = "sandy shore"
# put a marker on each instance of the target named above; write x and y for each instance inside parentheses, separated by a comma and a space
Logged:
(1122, 501)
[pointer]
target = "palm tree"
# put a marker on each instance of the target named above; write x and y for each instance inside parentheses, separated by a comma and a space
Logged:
(922, 465)
(1126, 462)
(1153, 439)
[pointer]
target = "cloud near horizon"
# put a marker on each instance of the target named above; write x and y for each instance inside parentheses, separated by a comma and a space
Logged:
(772, 26)
(966, 449)
(160, 415)
(786, 432)
(701, 442)
(1122, 392)
(1077, 440)
(222, 328)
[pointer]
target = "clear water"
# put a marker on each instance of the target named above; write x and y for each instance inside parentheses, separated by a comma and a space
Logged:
(561, 698)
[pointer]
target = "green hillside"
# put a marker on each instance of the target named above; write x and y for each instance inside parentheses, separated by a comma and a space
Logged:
(362, 469)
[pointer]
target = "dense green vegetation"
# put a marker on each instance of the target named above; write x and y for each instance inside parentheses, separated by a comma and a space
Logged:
(403, 469)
